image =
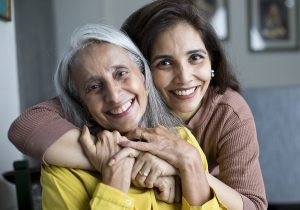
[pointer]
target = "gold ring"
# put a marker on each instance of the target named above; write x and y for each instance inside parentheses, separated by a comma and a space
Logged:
(143, 173)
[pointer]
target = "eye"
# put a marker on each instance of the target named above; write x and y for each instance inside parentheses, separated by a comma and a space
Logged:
(164, 63)
(121, 73)
(196, 58)
(93, 87)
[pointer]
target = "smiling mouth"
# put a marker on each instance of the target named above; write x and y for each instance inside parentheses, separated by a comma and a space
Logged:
(184, 92)
(122, 109)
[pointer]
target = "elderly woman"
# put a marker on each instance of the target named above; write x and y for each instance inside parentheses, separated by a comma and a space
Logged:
(105, 77)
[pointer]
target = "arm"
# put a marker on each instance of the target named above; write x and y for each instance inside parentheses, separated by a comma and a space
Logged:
(65, 188)
(160, 142)
(226, 195)
(158, 171)
(238, 161)
(69, 147)
(42, 132)
(76, 189)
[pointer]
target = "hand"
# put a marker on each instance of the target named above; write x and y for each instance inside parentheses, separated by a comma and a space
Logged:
(167, 189)
(148, 168)
(161, 142)
(99, 152)
(166, 145)
(100, 149)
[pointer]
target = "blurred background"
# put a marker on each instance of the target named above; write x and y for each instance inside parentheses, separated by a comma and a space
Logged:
(38, 33)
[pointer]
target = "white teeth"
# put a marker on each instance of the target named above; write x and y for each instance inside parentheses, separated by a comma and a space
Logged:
(122, 108)
(185, 92)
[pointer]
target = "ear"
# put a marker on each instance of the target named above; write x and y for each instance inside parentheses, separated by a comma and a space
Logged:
(143, 77)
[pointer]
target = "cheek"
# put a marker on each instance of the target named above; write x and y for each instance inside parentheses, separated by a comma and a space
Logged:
(204, 74)
(93, 107)
(161, 79)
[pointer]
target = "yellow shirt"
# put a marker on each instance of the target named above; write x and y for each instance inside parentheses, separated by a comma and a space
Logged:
(76, 189)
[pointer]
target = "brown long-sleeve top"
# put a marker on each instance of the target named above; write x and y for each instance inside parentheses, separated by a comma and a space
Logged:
(224, 127)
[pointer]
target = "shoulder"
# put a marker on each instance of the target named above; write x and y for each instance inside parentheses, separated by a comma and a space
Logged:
(232, 103)
(51, 104)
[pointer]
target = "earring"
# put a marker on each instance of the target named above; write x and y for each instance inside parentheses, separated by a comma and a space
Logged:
(212, 73)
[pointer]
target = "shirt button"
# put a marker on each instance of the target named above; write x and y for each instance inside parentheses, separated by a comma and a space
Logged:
(128, 202)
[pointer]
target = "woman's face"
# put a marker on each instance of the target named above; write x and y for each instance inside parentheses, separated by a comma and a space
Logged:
(181, 68)
(111, 86)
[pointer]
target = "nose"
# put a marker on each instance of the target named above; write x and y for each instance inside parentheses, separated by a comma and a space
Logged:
(183, 73)
(112, 92)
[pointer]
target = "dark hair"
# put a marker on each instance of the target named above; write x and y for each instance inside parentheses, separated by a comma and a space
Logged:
(145, 25)
(156, 113)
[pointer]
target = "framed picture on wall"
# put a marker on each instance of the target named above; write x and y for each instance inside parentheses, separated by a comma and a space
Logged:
(5, 9)
(217, 13)
(273, 25)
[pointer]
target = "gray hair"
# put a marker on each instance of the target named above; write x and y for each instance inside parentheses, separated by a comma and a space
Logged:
(156, 113)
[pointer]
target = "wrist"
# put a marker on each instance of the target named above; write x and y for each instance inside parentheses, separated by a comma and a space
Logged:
(119, 175)
(189, 161)
(195, 187)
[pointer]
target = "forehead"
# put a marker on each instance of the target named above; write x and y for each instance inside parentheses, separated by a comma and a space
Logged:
(181, 34)
(101, 52)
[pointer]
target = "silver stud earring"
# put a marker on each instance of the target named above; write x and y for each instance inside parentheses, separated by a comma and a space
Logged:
(212, 73)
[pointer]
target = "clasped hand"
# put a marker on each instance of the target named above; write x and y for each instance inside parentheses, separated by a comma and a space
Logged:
(146, 171)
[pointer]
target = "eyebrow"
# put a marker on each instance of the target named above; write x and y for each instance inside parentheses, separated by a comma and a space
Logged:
(89, 79)
(201, 50)
(160, 57)
(112, 69)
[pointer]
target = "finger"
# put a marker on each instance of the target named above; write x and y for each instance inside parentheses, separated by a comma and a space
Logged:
(172, 192)
(117, 137)
(139, 162)
(157, 194)
(86, 141)
(135, 134)
(142, 176)
(140, 179)
(152, 177)
(141, 134)
(156, 191)
(141, 146)
(152, 148)
(163, 191)
(123, 153)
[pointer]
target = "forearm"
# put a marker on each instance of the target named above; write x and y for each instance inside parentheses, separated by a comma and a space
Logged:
(67, 152)
(226, 195)
(195, 187)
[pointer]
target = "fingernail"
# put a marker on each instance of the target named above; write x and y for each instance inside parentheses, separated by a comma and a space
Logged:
(111, 162)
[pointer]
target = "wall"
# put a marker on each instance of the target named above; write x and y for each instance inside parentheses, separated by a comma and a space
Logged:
(67, 19)
(35, 32)
(253, 69)
(10, 105)
(111, 12)
(267, 69)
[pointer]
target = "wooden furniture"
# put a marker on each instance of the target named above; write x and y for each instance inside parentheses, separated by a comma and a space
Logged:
(23, 177)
